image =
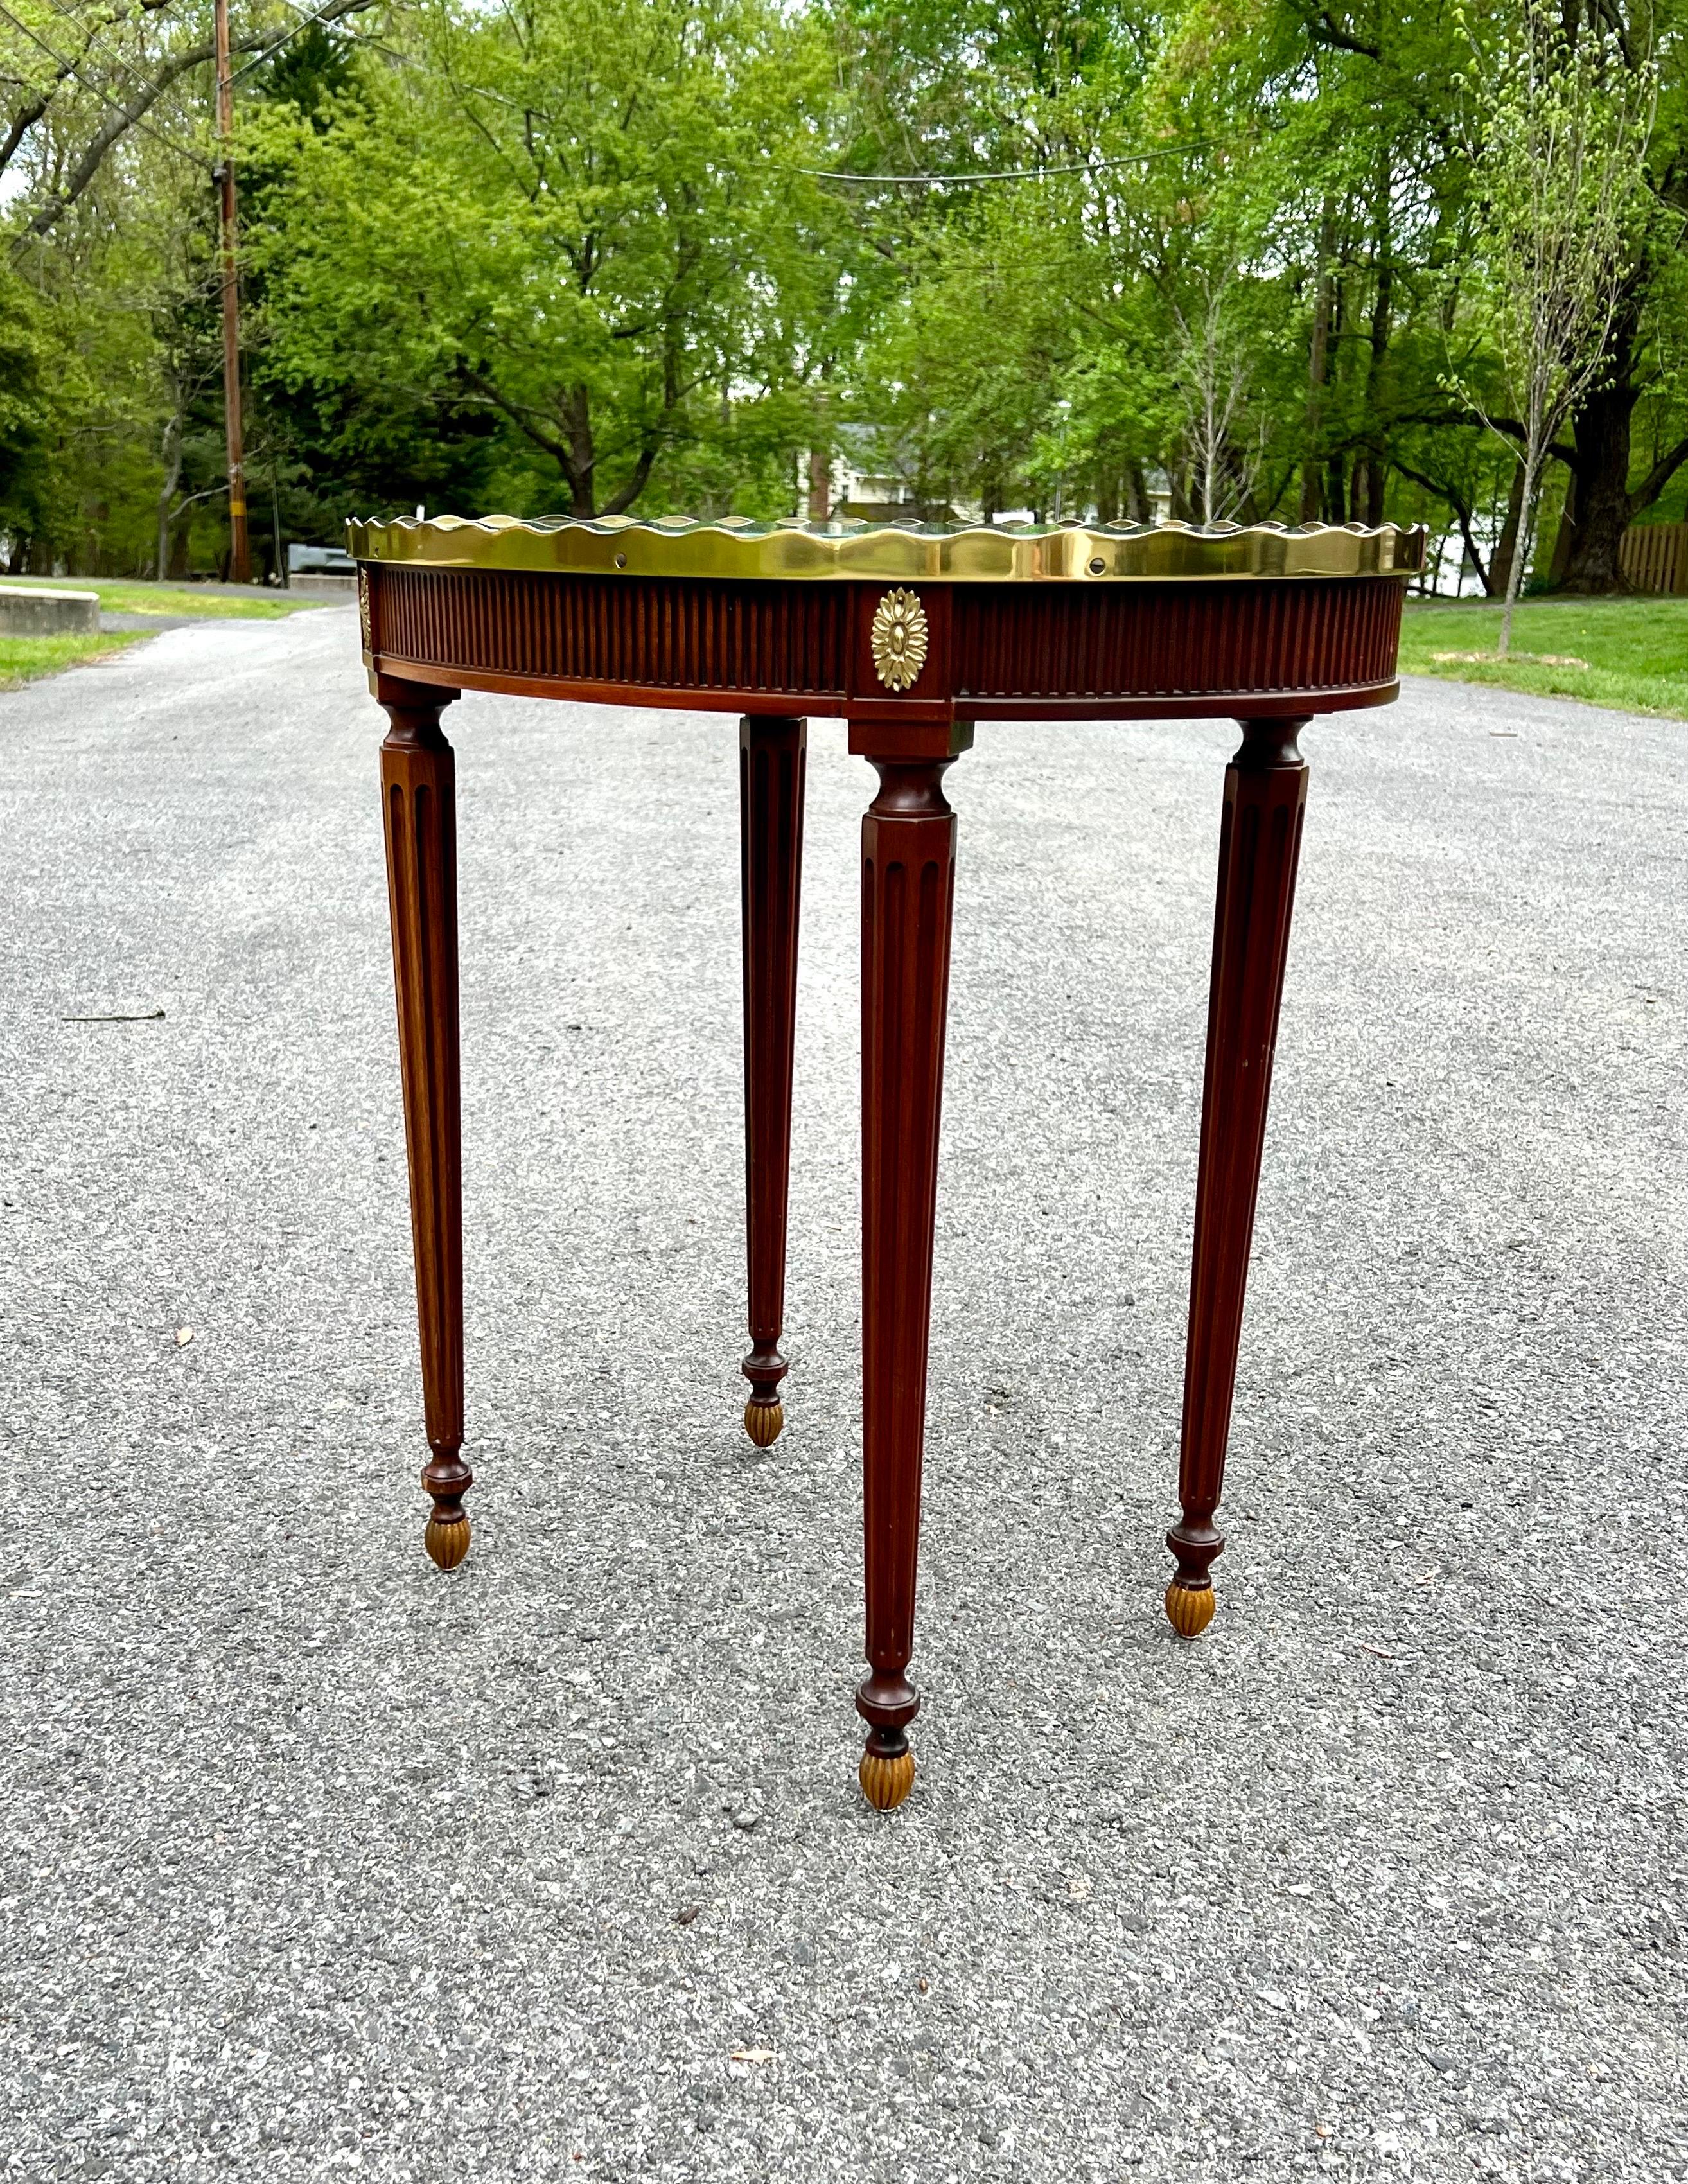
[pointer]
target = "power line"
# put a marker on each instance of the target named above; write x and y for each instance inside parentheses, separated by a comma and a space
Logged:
(269, 53)
(240, 548)
(74, 68)
(1015, 174)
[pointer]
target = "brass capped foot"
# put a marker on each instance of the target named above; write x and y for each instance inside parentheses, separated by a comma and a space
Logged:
(1190, 1607)
(763, 1422)
(448, 1542)
(886, 1778)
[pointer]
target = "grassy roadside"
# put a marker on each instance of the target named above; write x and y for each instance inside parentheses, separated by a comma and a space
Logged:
(120, 596)
(1629, 654)
(22, 658)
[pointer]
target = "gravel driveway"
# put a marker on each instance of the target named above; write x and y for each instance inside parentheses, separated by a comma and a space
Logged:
(314, 1861)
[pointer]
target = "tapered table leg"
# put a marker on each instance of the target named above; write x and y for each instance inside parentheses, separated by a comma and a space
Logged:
(418, 793)
(908, 878)
(1260, 840)
(772, 756)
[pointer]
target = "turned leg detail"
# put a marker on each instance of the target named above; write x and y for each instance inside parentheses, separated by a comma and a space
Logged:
(418, 794)
(772, 756)
(1260, 840)
(908, 878)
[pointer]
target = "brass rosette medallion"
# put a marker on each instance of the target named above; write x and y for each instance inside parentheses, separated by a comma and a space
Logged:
(899, 639)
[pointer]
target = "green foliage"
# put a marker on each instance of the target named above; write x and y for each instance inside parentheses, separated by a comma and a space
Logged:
(1240, 259)
(578, 220)
(1559, 214)
(27, 405)
(1627, 653)
(26, 659)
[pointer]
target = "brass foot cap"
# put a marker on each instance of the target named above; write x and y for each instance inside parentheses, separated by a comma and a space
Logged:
(886, 1781)
(447, 1543)
(1190, 1607)
(763, 1422)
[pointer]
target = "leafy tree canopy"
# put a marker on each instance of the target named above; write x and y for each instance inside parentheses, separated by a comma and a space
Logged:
(1228, 259)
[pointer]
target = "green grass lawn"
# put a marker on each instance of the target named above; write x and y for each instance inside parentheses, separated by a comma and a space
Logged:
(22, 658)
(1633, 653)
(119, 596)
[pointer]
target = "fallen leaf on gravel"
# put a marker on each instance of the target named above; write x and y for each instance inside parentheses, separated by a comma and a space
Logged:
(1380, 1650)
(751, 2055)
(685, 1918)
(184, 1336)
(153, 1015)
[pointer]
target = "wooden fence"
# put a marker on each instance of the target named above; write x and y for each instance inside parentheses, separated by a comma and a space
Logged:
(1654, 556)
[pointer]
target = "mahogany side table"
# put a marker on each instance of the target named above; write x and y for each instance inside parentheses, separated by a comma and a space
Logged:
(912, 635)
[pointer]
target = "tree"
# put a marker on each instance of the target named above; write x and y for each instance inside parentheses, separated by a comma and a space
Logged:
(582, 217)
(572, 252)
(1560, 208)
(77, 81)
(1213, 370)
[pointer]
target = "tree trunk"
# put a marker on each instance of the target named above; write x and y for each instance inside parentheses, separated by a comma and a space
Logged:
(1319, 349)
(1566, 536)
(1246, 501)
(1530, 485)
(1600, 472)
(1137, 502)
(1604, 503)
(1469, 537)
(820, 485)
(172, 479)
(1430, 584)
(1369, 481)
(581, 461)
(1501, 568)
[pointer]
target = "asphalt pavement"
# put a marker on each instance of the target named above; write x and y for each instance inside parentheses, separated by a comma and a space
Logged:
(313, 1861)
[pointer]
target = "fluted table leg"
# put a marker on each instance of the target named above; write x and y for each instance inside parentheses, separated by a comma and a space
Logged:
(419, 795)
(1260, 840)
(772, 754)
(908, 878)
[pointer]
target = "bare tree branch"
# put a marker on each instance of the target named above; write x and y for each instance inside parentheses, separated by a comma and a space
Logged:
(127, 113)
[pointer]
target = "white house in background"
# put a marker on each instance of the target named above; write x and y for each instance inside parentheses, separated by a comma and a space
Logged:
(857, 485)
(860, 486)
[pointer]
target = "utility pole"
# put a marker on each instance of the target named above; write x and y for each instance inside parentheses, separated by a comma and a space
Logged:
(240, 550)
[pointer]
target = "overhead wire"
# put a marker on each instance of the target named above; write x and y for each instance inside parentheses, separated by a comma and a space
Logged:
(74, 68)
(269, 52)
(1015, 174)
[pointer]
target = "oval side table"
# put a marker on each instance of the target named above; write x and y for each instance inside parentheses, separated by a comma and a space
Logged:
(912, 635)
